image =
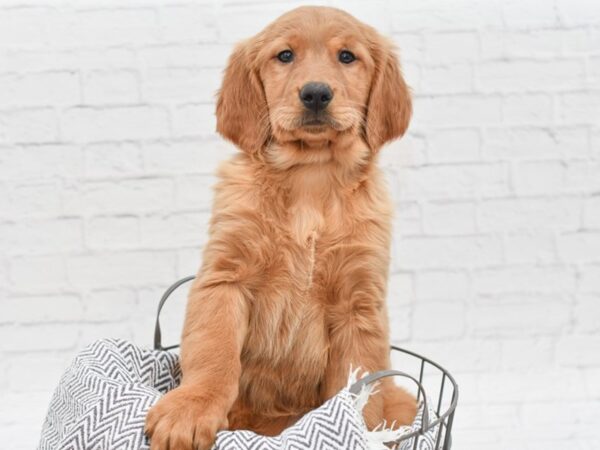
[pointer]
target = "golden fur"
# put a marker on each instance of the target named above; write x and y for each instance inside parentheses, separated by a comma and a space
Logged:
(293, 283)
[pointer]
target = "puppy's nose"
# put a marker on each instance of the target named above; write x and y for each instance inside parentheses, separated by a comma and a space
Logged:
(316, 96)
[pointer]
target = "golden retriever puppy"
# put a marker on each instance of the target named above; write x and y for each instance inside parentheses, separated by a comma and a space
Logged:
(292, 288)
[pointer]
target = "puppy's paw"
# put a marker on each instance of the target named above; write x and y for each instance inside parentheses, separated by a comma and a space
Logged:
(185, 420)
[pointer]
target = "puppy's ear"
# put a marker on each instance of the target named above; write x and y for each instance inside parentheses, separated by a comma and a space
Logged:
(389, 107)
(242, 113)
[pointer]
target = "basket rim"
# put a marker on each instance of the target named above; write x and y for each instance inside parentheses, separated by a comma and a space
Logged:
(446, 374)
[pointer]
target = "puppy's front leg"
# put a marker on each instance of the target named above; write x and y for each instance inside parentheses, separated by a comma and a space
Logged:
(359, 338)
(189, 416)
(357, 342)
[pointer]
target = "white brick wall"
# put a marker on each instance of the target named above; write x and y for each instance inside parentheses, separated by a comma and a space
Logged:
(107, 154)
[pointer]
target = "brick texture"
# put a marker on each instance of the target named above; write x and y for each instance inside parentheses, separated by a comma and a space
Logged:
(107, 159)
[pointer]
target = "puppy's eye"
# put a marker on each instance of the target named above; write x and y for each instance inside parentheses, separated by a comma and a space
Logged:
(346, 57)
(285, 56)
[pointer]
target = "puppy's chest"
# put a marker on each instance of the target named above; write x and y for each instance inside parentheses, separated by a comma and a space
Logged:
(295, 294)
(313, 233)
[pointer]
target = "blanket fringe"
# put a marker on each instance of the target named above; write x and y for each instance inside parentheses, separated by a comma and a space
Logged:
(382, 433)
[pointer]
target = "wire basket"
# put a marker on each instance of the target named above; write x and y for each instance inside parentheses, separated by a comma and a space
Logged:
(428, 376)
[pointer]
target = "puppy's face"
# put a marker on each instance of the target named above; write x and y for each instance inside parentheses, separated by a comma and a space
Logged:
(314, 75)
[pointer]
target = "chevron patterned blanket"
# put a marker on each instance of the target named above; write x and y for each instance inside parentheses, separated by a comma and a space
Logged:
(103, 397)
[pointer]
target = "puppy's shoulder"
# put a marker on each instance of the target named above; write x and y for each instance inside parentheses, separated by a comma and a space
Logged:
(236, 185)
(237, 169)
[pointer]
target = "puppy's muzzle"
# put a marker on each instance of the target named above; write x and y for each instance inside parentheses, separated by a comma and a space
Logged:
(316, 96)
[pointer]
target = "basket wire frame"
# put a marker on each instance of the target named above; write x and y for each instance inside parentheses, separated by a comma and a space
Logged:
(443, 419)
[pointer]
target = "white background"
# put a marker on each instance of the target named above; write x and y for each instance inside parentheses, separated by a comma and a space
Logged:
(107, 150)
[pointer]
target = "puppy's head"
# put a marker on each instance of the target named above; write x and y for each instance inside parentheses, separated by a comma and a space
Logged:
(310, 77)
